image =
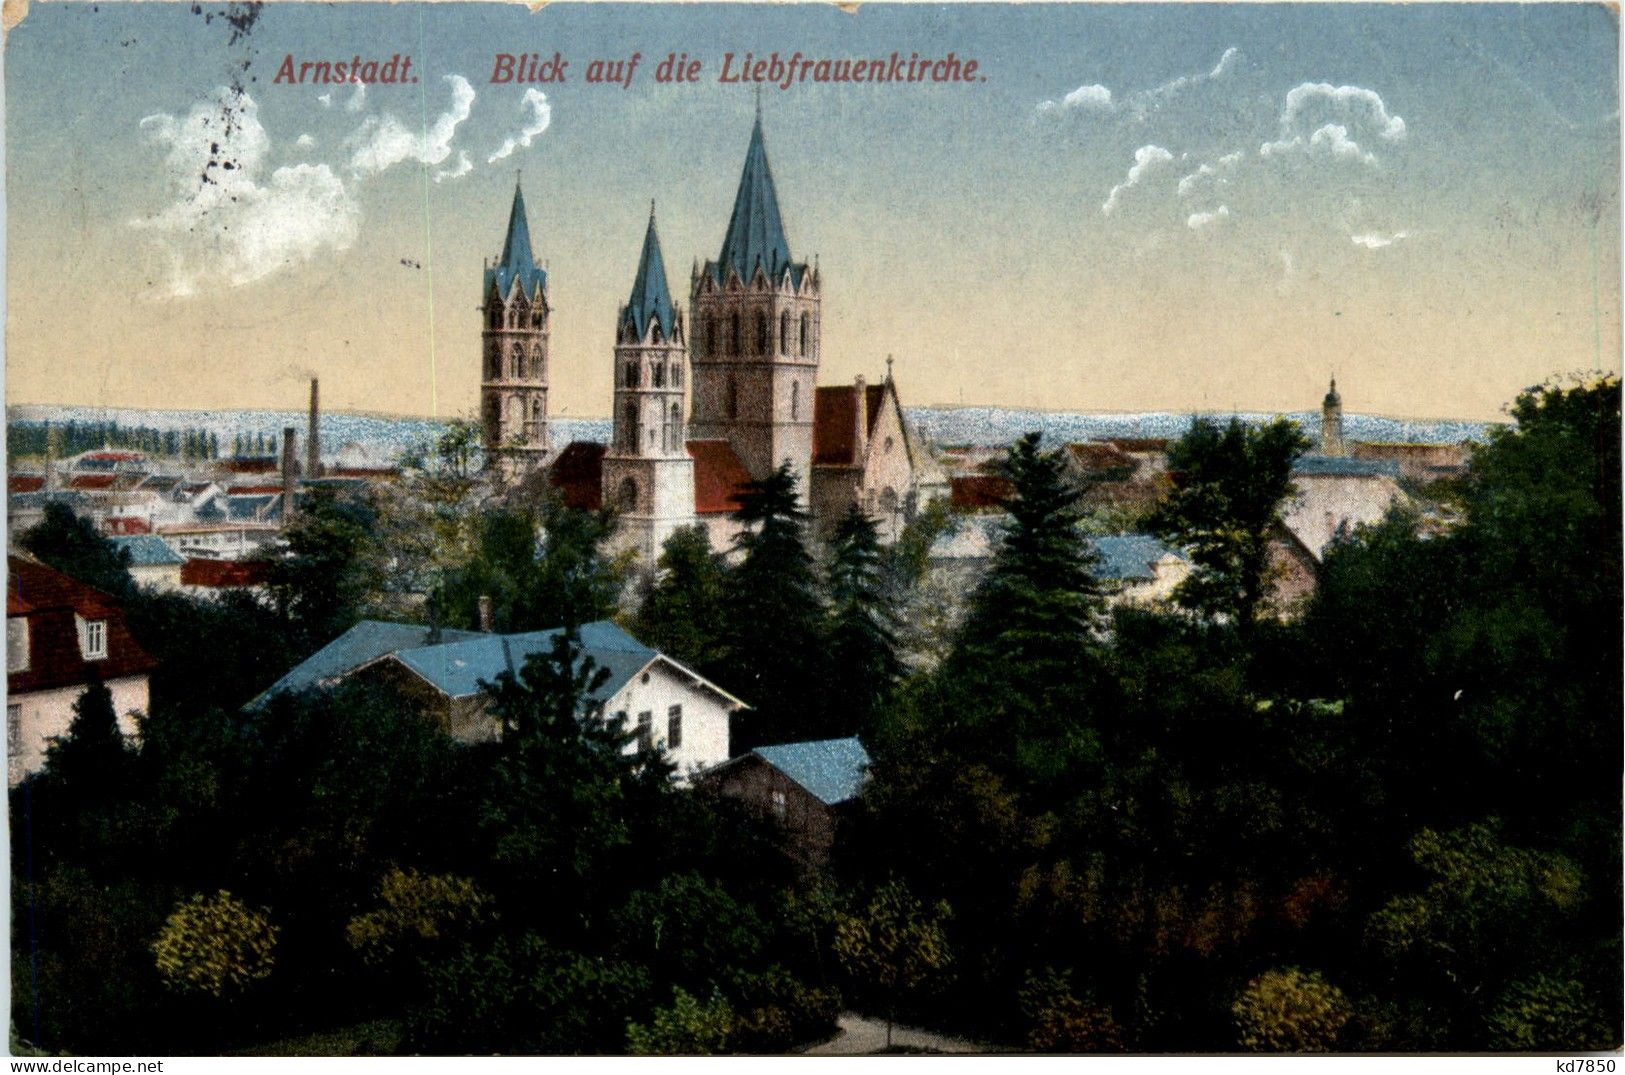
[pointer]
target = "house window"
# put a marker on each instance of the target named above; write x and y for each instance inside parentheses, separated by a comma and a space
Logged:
(14, 742)
(93, 640)
(674, 727)
(646, 730)
(17, 645)
(781, 805)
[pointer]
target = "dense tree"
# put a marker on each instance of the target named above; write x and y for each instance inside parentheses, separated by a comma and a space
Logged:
(1229, 485)
(863, 628)
(324, 574)
(895, 946)
(682, 611)
(775, 658)
(72, 545)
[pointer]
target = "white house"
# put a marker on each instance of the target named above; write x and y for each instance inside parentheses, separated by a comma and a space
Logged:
(61, 635)
(670, 707)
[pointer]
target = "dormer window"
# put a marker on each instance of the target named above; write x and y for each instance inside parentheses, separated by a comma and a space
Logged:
(93, 639)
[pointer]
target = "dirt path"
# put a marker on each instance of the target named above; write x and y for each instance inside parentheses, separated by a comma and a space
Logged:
(862, 1036)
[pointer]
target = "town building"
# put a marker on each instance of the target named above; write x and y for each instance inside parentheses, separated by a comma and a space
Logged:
(150, 561)
(513, 381)
(61, 637)
(669, 707)
(808, 790)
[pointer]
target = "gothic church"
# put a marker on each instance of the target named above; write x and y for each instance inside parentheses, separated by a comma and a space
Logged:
(747, 355)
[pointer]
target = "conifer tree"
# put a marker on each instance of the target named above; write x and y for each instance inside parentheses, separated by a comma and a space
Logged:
(92, 758)
(682, 612)
(774, 618)
(862, 630)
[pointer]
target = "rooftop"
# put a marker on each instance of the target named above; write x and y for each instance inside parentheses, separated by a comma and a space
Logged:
(832, 770)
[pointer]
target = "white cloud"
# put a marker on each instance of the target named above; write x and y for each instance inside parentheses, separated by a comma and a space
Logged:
(1360, 109)
(1376, 241)
(1217, 173)
(227, 224)
(305, 141)
(541, 114)
(462, 168)
(1226, 62)
(1097, 99)
(384, 141)
(1197, 221)
(1145, 158)
(358, 99)
(326, 99)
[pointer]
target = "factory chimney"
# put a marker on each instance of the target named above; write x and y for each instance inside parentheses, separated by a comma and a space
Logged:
(290, 471)
(313, 467)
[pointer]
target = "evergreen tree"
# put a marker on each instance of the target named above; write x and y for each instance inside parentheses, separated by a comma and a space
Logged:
(681, 614)
(862, 630)
(93, 757)
(774, 620)
(324, 578)
(72, 545)
(1229, 485)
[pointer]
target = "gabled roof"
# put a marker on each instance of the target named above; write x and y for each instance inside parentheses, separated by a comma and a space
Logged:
(719, 477)
(755, 238)
(1331, 466)
(25, 483)
(651, 299)
(1093, 457)
(834, 414)
(366, 641)
(148, 551)
(1130, 556)
(518, 261)
(578, 474)
(832, 770)
(980, 490)
(224, 574)
(50, 601)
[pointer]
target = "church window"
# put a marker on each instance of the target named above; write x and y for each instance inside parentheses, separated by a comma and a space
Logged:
(536, 318)
(710, 334)
(806, 333)
(733, 335)
(676, 426)
(658, 372)
(677, 374)
(733, 398)
(630, 434)
(795, 400)
(665, 431)
(494, 314)
(630, 378)
(513, 318)
(763, 340)
(886, 448)
(784, 333)
(627, 496)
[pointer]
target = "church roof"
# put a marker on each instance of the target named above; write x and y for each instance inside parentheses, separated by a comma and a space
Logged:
(755, 237)
(518, 261)
(1332, 398)
(578, 474)
(651, 299)
(834, 408)
(718, 477)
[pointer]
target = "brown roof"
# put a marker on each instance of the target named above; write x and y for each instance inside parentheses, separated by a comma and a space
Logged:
(25, 483)
(578, 474)
(249, 465)
(1141, 444)
(92, 481)
(718, 477)
(49, 600)
(125, 525)
(224, 574)
(1092, 456)
(362, 472)
(980, 490)
(834, 409)
(254, 490)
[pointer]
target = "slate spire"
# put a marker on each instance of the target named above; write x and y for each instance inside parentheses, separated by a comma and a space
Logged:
(518, 261)
(755, 231)
(651, 299)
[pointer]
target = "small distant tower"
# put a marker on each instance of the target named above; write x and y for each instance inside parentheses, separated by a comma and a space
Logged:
(513, 380)
(648, 476)
(755, 313)
(1331, 423)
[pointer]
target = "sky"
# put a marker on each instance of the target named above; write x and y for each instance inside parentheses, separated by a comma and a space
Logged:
(1132, 207)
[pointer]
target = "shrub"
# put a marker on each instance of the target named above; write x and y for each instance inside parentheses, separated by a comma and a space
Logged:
(215, 945)
(1290, 1011)
(1547, 1014)
(417, 910)
(686, 1028)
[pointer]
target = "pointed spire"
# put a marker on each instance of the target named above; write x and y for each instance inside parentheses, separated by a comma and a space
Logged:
(755, 236)
(518, 261)
(1332, 398)
(650, 297)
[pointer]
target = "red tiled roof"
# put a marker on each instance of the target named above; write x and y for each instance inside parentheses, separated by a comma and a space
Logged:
(92, 481)
(49, 600)
(718, 476)
(980, 490)
(834, 409)
(25, 483)
(1141, 444)
(578, 474)
(224, 574)
(362, 472)
(125, 525)
(250, 465)
(254, 490)
(1092, 456)
(115, 456)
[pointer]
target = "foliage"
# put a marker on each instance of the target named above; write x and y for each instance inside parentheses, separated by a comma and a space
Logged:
(685, 1028)
(681, 613)
(93, 758)
(863, 628)
(1290, 1011)
(73, 545)
(774, 657)
(686, 929)
(896, 945)
(1061, 1022)
(322, 575)
(1548, 1014)
(774, 1010)
(1229, 485)
(215, 945)
(416, 910)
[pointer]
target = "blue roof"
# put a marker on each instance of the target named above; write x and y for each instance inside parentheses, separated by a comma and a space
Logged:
(148, 551)
(255, 507)
(755, 237)
(1130, 556)
(518, 261)
(1330, 466)
(831, 770)
(650, 297)
(462, 660)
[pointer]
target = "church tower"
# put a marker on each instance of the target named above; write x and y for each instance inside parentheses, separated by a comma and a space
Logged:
(648, 476)
(755, 313)
(513, 380)
(1331, 423)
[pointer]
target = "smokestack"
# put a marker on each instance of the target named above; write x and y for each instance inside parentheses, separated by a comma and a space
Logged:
(860, 420)
(314, 465)
(50, 458)
(485, 613)
(290, 470)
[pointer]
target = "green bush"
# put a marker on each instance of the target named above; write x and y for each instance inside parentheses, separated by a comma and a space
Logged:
(686, 1028)
(215, 945)
(1290, 1011)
